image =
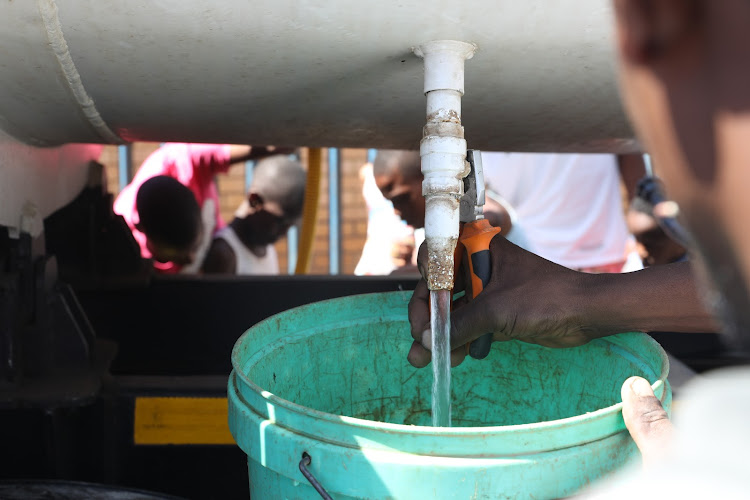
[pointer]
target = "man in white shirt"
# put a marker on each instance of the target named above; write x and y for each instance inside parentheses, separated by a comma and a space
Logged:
(398, 176)
(273, 204)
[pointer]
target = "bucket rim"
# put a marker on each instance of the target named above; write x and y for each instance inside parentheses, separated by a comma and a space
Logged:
(659, 388)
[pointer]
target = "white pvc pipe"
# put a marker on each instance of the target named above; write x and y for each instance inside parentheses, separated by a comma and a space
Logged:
(439, 102)
(443, 153)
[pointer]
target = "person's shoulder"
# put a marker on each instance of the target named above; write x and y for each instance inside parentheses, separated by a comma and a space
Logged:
(220, 258)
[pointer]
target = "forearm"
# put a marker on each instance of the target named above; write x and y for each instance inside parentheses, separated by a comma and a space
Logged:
(239, 153)
(632, 169)
(660, 298)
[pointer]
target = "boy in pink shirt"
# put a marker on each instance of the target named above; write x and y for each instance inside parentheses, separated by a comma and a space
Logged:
(194, 166)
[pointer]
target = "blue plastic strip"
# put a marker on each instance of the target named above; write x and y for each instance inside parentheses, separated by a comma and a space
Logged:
(124, 165)
(371, 154)
(291, 249)
(647, 163)
(249, 166)
(334, 219)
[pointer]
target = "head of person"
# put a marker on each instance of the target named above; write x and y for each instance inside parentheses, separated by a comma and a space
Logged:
(274, 201)
(170, 218)
(654, 245)
(685, 82)
(398, 175)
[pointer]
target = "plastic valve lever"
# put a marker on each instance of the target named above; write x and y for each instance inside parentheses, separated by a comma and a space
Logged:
(475, 236)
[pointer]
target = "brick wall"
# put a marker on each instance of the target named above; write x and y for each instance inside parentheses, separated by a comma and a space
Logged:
(231, 186)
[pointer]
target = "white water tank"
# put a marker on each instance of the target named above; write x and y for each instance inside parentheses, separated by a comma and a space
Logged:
(305, 72)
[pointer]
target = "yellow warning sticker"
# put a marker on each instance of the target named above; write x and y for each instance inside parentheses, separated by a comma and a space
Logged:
(181, 421)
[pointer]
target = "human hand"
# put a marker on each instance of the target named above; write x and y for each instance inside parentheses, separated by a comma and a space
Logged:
(401, 252)
(646, 419)
(527, 298)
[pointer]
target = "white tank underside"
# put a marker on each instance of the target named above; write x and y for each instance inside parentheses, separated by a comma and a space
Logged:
(306, 73)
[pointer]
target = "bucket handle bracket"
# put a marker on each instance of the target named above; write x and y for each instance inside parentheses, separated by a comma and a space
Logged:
(307, 460)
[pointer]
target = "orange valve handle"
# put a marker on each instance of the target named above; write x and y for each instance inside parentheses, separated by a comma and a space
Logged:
(476, 237)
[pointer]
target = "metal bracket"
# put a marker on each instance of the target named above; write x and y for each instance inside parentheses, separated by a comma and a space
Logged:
(472, 202)
(307, 460)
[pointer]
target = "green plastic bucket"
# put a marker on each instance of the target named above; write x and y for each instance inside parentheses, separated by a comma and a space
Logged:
(331, 379)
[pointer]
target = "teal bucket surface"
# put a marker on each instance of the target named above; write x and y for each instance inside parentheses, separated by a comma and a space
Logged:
(331, 379)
